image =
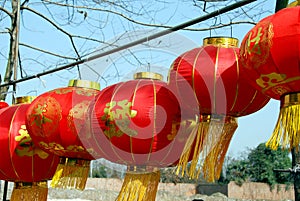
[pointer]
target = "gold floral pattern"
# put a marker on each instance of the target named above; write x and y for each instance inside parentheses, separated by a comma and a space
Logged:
(26, 146)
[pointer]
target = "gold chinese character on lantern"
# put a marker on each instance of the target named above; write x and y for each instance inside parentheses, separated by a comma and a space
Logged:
(117, 117)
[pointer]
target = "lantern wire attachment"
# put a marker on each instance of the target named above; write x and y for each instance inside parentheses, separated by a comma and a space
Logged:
(71, 174)
(139, 186)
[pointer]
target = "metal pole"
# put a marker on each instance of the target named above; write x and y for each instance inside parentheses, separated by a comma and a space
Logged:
(5, 190)
(296, 163)
(295, 171)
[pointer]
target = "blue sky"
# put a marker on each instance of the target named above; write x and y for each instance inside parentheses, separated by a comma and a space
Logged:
(252, 129)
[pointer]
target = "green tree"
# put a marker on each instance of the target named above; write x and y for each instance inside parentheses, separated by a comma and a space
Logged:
(258, 166)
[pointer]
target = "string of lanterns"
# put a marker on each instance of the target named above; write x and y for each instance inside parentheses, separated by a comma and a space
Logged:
(147, 124)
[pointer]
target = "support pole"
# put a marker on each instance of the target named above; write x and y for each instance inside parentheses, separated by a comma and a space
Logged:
(5, 190)
(296, 166)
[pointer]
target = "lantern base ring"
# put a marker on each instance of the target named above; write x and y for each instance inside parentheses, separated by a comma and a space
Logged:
(141, 169)
(30, 191)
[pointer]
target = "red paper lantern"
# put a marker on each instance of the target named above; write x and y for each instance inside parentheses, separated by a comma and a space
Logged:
(213, 72)
(21, 160)
(270, 57)
(140, 124)
(56, 120)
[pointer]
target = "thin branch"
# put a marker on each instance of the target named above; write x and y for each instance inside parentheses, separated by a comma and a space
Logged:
(47, 52)
(7, 12)
(146, 24)
(56, 26)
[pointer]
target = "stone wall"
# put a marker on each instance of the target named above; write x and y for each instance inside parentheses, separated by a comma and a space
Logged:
(250, 191)
(99, 189)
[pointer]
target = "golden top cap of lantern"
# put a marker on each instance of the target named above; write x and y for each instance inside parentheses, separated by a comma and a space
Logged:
(148, 75)
(84, 84)
(24, 99)
(221, 41)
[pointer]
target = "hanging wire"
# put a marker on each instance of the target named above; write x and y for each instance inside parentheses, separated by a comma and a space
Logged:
(137, 42)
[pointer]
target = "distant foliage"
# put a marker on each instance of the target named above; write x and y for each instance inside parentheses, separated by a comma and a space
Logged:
(258, 166)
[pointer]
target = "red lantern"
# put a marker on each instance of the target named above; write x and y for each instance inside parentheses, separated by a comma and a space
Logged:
(56, 120)
(270, 57)
(139, 123)
(21, 161)
(3, 104)
(213, 72)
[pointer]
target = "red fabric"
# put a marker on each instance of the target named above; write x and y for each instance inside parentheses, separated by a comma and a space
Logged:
(270, 53)
(58, 122)
(143, 131)
(213, 73)
(20, 159)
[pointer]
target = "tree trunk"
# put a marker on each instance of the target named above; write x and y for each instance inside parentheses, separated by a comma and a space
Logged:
(12, 62)
(296, 162)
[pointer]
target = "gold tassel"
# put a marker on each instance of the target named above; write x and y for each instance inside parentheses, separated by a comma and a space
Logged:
(30, 191)
(210, 147)
(286, 132)
(71, 174)
(213, 162)
(139, 186)
(192, 147)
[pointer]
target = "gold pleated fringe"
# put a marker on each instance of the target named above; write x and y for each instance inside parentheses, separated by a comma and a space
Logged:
(36, 191)
(208, 151)
(71, 174)
(139, 187)
(192, 150)
(287, 130)
(213, 162)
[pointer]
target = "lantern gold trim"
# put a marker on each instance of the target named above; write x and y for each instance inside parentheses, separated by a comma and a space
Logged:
(20, 185)
(294, 4)
(138, 169)
(84, 84)
(25, 99)
(221, 41)
(290, 99)
(148, 75)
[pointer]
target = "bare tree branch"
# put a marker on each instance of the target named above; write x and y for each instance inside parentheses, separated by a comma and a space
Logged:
(47, 52)
(57, 27)
(7, 12)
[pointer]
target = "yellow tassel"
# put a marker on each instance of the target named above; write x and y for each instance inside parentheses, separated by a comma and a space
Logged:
(208, 151)
(213, 162)
(139, 186)
(192, 148)
(30, 191)
(71, 174)
(286, 132)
